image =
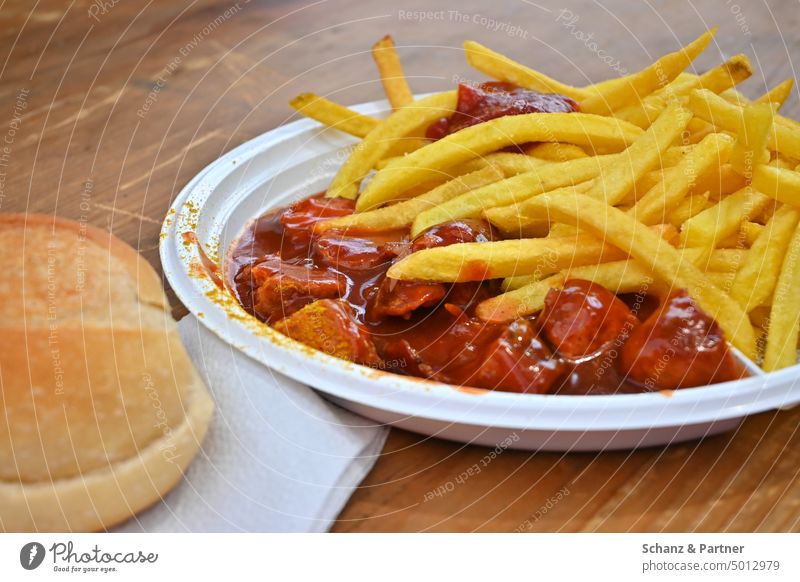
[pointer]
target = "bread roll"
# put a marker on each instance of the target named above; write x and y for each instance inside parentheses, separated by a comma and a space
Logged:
(103, 409)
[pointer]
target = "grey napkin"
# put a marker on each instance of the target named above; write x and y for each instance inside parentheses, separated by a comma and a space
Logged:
(277, 458)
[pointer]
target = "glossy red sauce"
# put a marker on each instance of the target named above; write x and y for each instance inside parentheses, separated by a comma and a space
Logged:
(480, 103)
(331, 292)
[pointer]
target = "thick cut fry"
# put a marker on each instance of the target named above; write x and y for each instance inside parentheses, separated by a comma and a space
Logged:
(379, 141)
(391, 71)
(525, 296)
(512, 190)
(750, 231)
(506, 258)
(654, 206)
(782, 185)
(689, 207)
(512, 164)
(333, 114)
(502, 68)
(720, 78)
(778, 94)
(719, 260)
(751, 144)
(784, 318)
(642, 156)
(666, 263)
(720, 180)
(518, 303)
(634, 88)
(755, 280)
(403, 213)
(491, 136)
(555, 152)
(723, 219)
(729, 117)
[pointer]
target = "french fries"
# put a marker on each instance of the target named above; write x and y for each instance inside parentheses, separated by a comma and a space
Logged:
(664, 180)
(491, 136)
(507, 258)
(722, 220)
(502, 68)
(718, 79)
(333, 114)
(642, 156)
(756, 278)
(778, 183)
(662, 198)
(391, 71)
(712, 108)
(664, 261)
(631, 89)
(380, 140)
(512, 190)
(403, 213)
(784, 318)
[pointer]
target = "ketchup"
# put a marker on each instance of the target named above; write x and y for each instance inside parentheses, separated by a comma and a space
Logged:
(477, 104)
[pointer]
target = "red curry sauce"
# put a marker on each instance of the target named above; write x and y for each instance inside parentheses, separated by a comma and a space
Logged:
(331, 292)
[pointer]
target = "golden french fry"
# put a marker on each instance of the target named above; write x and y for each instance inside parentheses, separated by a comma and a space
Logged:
(718, 181)
(403, 213)
(710, 107)
(499, 259)
(555, 152)
(654, 206)
(750, 147)
(634, 88)
(502, 68)
(689, 207)
(717, 260)
(784, 318)
(525, 296)
(375, 146)
(778, 94)
(514, 217)
(755, 280)
(665, 262)
(333, 114)
(642, 156)
(491, 136)
(720, 78)
(722, 220)
(750, 231)
(391, 71)
(778, 183)
(518, 303)
(511, 163)
(520, 187)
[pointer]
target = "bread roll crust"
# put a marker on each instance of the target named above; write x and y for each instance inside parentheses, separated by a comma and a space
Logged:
(92, 377)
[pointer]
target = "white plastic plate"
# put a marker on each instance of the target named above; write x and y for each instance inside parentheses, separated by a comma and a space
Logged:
(299, 159)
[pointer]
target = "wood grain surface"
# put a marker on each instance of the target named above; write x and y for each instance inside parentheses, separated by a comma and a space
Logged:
(109, 108)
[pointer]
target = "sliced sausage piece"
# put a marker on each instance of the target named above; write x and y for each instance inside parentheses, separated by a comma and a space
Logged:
(298, 220)
(350, 253)
(518, 361)
(400, 298)
(450, 233)
(281, 288)
(583, 318)
(678, 346)
(329, 326)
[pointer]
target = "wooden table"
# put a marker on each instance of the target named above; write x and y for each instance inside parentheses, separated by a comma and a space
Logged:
(109, 108)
